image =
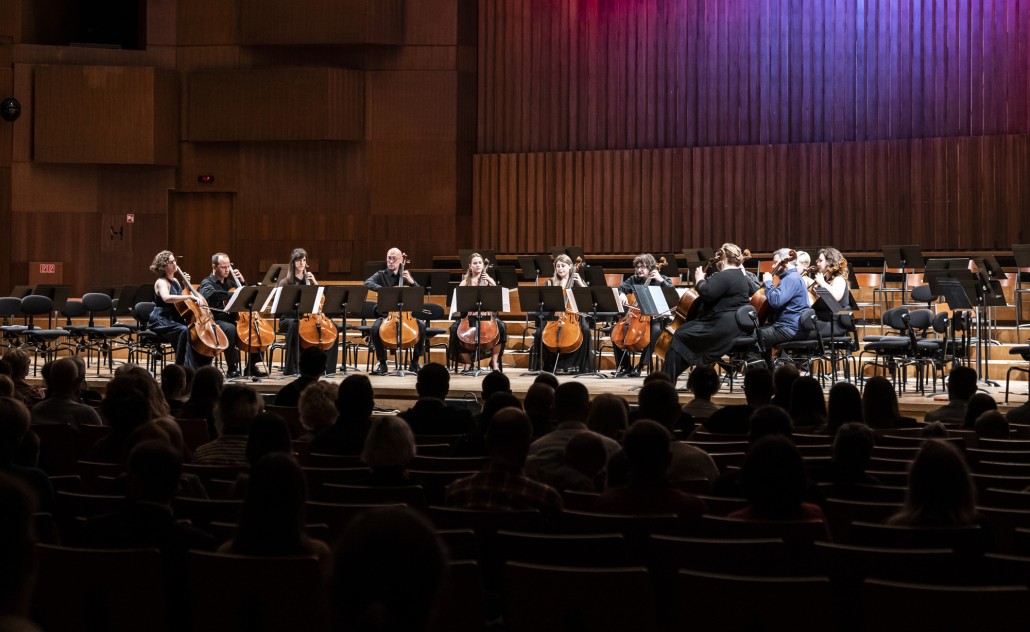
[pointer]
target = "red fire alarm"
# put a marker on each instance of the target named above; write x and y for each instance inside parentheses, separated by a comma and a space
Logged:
(206, 179)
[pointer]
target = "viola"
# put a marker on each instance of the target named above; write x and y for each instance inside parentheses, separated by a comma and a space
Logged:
(399, 329)
(633, 332)
(253, 333)
(206, 337)
(564, 335)
(484, 329)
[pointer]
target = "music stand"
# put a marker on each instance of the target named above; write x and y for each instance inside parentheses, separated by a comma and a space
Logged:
(549, 300)
(671, 268)
(836, 308)
(574, 252)
(544, 265)
(338, 299)
(440, 282)
(422, 277)
(400, 300)
(243, 301)
(478, 298)
(595, 276)
(506, 277)
(274, 273)
(530, 271)
(602, 302)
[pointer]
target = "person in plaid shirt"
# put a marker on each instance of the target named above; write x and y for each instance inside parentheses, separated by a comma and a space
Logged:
(501, 485)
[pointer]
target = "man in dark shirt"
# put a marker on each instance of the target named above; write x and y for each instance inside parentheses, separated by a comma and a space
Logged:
(431, 415)
(354, 402)
(758, 390)
(787, 300)
(646, 273)
(391, 277)
(215, 288)
(312, 367)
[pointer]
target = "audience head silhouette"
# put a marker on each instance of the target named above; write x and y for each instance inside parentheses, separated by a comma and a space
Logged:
(355, 398)
(434, 380)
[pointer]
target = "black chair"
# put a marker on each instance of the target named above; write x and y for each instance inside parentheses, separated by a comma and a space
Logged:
(41, 340)
(10, 307)
(891, 350)
(808, 353)
(747, 346)
(1022, 351)
(147, 343)
(101, 338)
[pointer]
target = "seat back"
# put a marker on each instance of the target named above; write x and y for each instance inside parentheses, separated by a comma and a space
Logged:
(892, 606)
(141, 312)
(799, 603)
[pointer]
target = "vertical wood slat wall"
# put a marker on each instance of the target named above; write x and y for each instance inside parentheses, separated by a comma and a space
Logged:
(647, 124)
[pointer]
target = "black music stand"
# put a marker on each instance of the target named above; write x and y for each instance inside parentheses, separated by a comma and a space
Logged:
(837, 309)
(594, 275)
(478, 298)
(671, 268)
(602, 302)
(338, 301)
(400, 299)
(574, 252)
(248, 300)
(908, 257)
(1021, 253)
(530, 271)
(549, 300)
(440, 282)
(275, 272)
(506, 277)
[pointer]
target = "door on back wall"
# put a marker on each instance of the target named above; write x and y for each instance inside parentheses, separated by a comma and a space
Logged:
(199, 225)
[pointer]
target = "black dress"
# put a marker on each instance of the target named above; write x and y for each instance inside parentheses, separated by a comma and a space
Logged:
(707, 337)
(576, 361)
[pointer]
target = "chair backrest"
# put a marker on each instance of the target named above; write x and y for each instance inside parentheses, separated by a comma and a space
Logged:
(484, 521)
(94, 589)
(793, 532)
(411, 495)
(594, 549)
(244, 592)
(893, 606)
(97, 302)
(195, 432)
(460, 604)
(747, 319)
(840, 514)
(896, 318)
(539, 597)
(35, 305)
(141, 312)
(338, 515)
(58, 449)
(10, 306)
(962, 539)
(756, 556)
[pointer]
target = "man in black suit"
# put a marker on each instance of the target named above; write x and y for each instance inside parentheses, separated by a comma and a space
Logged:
(431, 415)
(312, 367)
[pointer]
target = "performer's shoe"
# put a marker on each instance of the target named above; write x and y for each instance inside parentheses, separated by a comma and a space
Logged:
(414, 367)
(635, 372)
(623, 372)
(381, 369)
(255, 371)
(234, 373)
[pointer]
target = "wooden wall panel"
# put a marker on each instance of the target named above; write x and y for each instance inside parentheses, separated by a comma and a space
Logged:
(587, 75)
(5, 221)
(279, 22)
(46, 188)
(104, 115)
(412, 177)
(207, 22)
(940, 193)
(277, 104)
(411, 106)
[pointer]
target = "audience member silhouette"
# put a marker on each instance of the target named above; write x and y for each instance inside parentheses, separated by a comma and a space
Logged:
(431, 415)
(940, 489)
(207, 386)
(571, 404)
(539, 405)
(852, 449)
(125, 408)
(474, 443)
(389, 449)
(546, 378)
(807, 404)
(961, 386)
(703, 383)
(978, 404)
(272, 517)
(389, 568)
(317, 408)
(844, 406)
(62, 404)
(783, 385)
(659, 402)
(501, 485)
(495, 382)
(880, 405)
(173, 385)
(581, 466)
(758, 391)
(775, 483)
(146, 383)
(14, 431)
(608, 416)
(17, 555)
(769, 420)
(6, 386)
(312, 368)
(355, 401)
(20, 363)
(648, 491)
(992, 425)
(237, 406)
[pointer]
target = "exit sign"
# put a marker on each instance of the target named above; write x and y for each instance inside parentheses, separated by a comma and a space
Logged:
(130, 218)
(48, 268)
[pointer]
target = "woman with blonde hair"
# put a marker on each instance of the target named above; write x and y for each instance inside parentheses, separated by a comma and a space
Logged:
(565, 276)
(476, 275)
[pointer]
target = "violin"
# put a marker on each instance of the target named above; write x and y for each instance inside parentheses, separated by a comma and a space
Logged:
(633, 332)
(564, 335)
(206, 337)
(485, 328)
(253, 333)
(832, 272)
(399, 329)
(758, 299)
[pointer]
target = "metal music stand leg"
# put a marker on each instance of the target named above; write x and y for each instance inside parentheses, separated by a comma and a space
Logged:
(595, 341)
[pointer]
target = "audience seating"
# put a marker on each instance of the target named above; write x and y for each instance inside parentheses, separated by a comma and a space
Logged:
(541, 598)
(595, 549)
(460, 544)
(902, 606)
(333, 461)
(841, 513)
(969, 539)
(759, 556)
(1004, 498)
(460, 603)
(1003, 524)
(194, 432)
(338, 515)
(709, 601)
(203, 511)
(58, 448)
(579, 501)
(411, 495)
(231, 593)
(91, 589)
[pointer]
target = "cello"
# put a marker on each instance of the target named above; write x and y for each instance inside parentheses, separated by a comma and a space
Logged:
(316, 330)
(564, 335)
(485, 330)
(758, 299)
(206, 337)
(687, 308)
(253, 333)
(633, 332)
(399, 330)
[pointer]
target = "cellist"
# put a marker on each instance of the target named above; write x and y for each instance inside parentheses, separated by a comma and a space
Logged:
(476, 275)
(216, 288)
(707, 337)
(165, 320)
(391, 277)
(565, 276)
(646, 272)
(299, 274)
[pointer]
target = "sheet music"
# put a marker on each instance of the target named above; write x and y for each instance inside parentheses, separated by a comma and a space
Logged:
(570, 302)
(658, 296)
(273, 300)
(506, 300)
(232, 300)
(318, 300)
(454, 304)
(618, 301)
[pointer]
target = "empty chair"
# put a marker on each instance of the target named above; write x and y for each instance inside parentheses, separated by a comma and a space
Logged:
(708, 601)
(541, 598)
(244, 592)
(89, 589)
(901, 606)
